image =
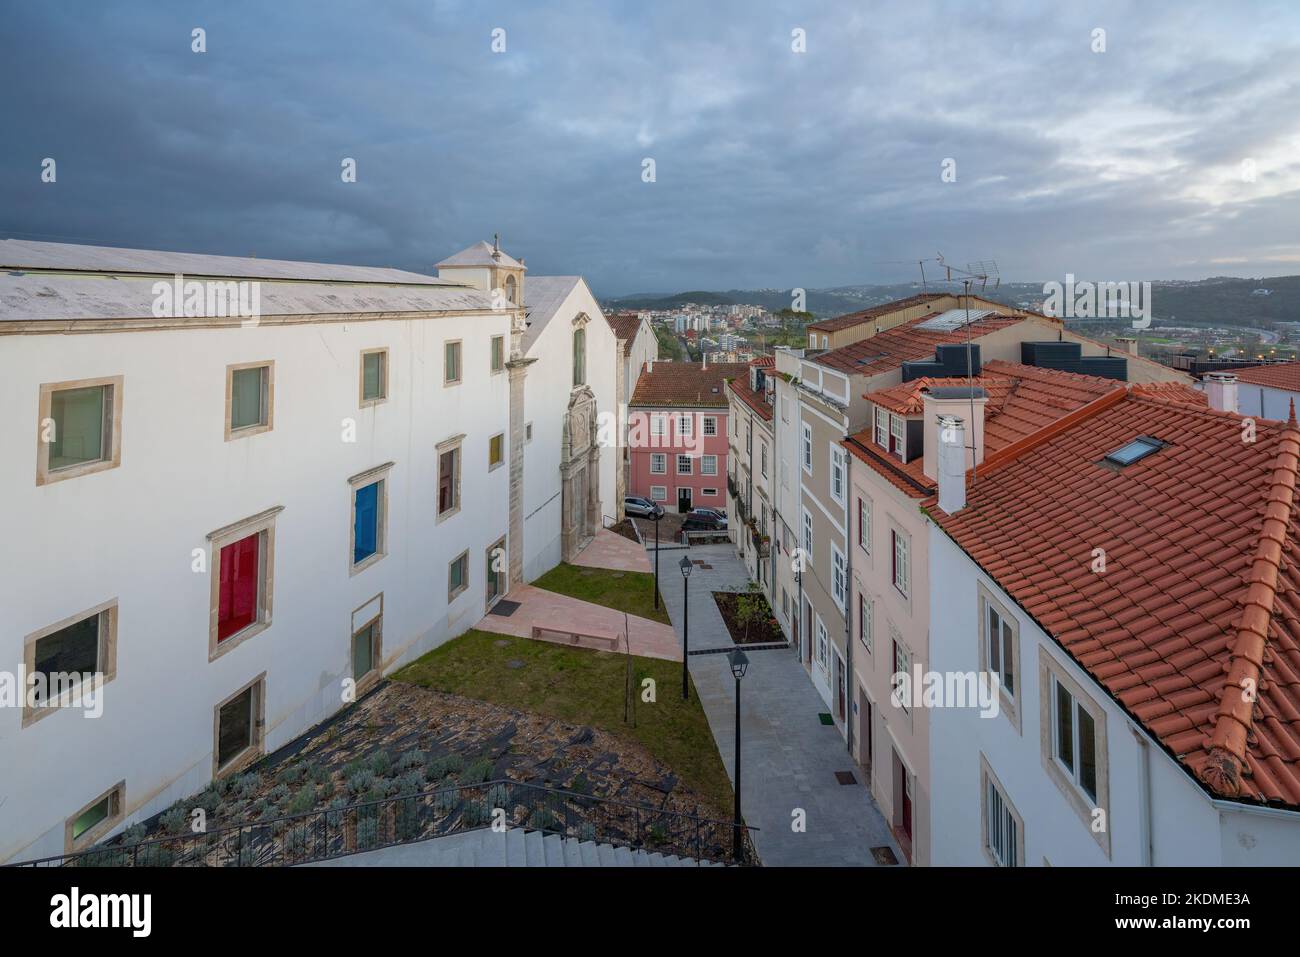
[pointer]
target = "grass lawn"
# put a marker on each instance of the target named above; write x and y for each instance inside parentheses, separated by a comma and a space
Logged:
(584, 687)
(632, 592)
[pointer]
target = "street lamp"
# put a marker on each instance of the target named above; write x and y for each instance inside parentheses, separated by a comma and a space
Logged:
(739, 664)
(685, 566)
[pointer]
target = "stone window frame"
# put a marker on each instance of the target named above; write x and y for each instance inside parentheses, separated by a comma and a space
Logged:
(116, 796)
(106, 655)
(447, 381)
(988, 777)
(371, 677)
(662, 497)
(257, 714)
(1009, 704)
(1048, 669)
(268, 399)
(44, 474)
(380, 473)
(493, 466)
(456, 442)
(690, 465)
(709, 425)
(497, 351)
(455, 592)
(263, 524)
(384, 367)
(708, 492)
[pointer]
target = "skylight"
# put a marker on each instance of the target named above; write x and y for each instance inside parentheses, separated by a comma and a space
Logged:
(1139, 448)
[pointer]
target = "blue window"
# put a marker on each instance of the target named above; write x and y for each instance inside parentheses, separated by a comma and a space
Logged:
(366, 521)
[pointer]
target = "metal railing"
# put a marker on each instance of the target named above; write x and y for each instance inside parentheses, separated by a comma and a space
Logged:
(408, 818)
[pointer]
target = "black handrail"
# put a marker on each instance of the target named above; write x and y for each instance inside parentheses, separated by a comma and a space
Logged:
(419, 816)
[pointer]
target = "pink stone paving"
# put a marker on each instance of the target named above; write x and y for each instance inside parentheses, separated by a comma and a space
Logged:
(550, 610)
(611, 550)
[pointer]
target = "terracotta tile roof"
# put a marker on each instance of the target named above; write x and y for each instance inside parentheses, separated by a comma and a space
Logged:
(888, 350)
(1021, 401)
(740, 386)
(625, 326)
(1201, 590)
(763, 362)
(686, 384)
(1281, 375)
(856, 318)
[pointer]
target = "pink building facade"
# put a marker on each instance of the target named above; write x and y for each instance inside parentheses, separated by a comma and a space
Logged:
(677, 434)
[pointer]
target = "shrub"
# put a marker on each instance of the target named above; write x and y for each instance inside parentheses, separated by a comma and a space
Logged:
(412, 782)
(173, 820)
(133, 835)
(292, 774)
(367, 832)
(478, 772)
(303, 800)
(586, 831)
(543, 820)
(320, 773)
(353, 766)
(476, 813)
(278, 794)
(247, 785)
(411, 759)
(381, 763)
(498, 796)
(325, 791)
(209, 799)
(361, 782)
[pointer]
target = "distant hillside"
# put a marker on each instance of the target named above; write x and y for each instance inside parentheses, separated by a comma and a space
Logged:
(1217, 301)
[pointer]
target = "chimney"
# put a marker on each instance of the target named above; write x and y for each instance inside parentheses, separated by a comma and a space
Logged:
(951, 440)
(1221, 390)
(1130, 344)
(965, 403)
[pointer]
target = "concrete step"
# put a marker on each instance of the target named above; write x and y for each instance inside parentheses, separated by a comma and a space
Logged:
(516, 856)
(554, 848)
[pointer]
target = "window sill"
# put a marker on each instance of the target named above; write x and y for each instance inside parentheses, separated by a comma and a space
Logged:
(224, 646)
(365, 563)
(453, 595)
(240, 761)
(448, 383)
(246, 431)
(45, 476)
(371, 403)
(72, 700)
(443, 516)
(493, 467)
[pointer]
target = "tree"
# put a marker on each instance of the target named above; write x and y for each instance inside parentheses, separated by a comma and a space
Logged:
(751, 608)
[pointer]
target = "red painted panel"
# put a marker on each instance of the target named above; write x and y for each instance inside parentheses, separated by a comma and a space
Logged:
(237, 599)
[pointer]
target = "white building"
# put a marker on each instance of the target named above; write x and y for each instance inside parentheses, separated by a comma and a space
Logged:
(1264, 392)
(239, 521)
(1147, 708)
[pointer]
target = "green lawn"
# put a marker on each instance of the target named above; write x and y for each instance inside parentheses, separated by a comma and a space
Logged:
(632, 592)
(584, 687)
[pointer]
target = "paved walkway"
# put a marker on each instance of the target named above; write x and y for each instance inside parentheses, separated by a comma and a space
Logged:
(611, 550)
(549, 609)
(789, 758)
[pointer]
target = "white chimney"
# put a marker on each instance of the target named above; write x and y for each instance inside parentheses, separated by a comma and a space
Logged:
(960, 402)
(952, 463)
(1221, 390)
(1130, 345)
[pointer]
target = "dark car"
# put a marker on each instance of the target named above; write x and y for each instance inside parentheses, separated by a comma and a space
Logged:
(641, 507)
(718, 513)
(701, 521)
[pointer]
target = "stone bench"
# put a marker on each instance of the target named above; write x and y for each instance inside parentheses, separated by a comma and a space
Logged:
(611, 642)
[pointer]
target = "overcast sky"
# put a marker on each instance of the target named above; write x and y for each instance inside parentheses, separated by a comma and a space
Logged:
(773, 168)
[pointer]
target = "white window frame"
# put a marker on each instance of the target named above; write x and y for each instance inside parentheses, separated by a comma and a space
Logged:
(823, 645)
(1008, 647)
(807, 534)
(1000, 822)
(898, 434)
(762, 458)
(864, 524)
(690, 468)
(710, 425)
(839, 578)
(866, 621)
(882, 428)
(905, 668)
(1051, 675)
(807, 448)
(709, 492)
(658, 493)
(658, 424)
(686, 425)
(658, 463)
(901, 570)
(708, 465)
(838, 476)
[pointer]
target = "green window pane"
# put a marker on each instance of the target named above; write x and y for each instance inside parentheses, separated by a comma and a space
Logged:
(452, 361)
(1087, 753)
(246, 398)
(498, 345)
(457, 573)
(363, 652)
(79, 432)
(1064, 726)
(91, 816)
(234, 728)
(372, 386)
(71, 650)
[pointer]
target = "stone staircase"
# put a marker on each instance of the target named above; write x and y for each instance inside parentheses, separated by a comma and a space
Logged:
(514, 847)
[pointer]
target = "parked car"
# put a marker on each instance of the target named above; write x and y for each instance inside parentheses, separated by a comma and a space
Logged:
(699, 520)
(640, 507)
(718, 513)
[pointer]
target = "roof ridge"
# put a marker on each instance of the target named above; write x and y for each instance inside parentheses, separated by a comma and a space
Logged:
(1068, 421)
(1226, 763)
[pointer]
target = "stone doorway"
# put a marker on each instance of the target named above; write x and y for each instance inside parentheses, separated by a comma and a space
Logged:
(579, 474)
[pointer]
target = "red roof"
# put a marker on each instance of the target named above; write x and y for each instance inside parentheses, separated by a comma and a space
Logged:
(856, 318)
(1201, 593)
(1281, 375)
(740, 386)
(764, 362)
(625, 326)
(685, 384)
(908, 342)
(1021, 400)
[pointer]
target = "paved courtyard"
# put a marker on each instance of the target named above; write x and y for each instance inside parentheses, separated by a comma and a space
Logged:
(788, 757)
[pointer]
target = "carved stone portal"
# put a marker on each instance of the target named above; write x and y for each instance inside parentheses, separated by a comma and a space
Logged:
(579, 474)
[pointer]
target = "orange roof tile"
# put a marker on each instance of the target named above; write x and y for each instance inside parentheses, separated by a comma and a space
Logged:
(865, 315)
(1281, 375)
(1022, 400)
(685, 384)
(1202, 583)
(905, 343)
(740, 386)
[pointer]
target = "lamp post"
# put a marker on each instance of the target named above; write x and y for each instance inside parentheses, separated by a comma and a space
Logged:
(685, 566)
(739, 664)
(657, 515)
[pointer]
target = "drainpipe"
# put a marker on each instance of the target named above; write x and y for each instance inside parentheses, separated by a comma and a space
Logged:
(1144, 796)
(849, 696)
